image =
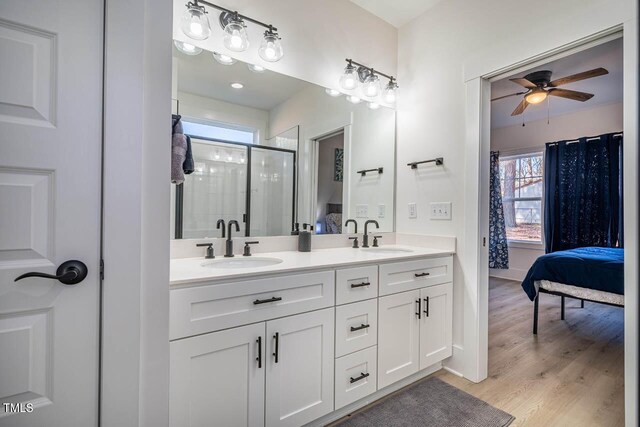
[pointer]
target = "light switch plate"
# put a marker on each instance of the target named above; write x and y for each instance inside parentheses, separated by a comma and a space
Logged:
(381, 211)
(440, 210)
(413, 211)
(362, 211)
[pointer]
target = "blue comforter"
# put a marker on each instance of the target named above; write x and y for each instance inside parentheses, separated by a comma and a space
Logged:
(596, 268)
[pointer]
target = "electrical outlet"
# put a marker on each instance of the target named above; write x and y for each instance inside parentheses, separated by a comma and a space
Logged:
(381, 211)
(413, 211)
(362, 211)
(440, 210)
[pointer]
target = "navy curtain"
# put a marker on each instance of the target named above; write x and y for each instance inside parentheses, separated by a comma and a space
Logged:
(498, 248)
(583, 193)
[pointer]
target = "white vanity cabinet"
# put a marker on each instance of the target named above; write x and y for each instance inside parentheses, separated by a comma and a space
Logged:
(436, 324)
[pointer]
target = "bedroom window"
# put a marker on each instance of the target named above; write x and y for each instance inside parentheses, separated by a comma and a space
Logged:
(521, 186)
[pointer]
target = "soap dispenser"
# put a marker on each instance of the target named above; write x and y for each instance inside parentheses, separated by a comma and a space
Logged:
(304, 238)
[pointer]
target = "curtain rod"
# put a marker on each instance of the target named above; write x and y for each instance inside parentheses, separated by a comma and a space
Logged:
(591, 138)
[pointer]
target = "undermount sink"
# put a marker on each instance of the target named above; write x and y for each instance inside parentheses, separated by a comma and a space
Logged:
(242, 262)
(387, 250)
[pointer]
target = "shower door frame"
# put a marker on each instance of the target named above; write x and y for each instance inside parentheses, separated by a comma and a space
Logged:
(179, 204)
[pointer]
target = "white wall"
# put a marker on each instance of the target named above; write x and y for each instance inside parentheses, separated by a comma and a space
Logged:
(454, 41)
(317, 36)
(517, 139)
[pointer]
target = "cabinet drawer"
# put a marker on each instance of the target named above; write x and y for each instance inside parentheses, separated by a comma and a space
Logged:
(204, 309)
(355, 376)
(356, 326)
(356, 284)
(409, 275)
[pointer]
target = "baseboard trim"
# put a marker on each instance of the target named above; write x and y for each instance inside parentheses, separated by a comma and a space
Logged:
(454, 372)
(343, 412)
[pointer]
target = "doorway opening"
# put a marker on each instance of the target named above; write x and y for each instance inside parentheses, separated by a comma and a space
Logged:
(330, 183)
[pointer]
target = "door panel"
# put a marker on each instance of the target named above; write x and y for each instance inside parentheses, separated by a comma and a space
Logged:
(50, 149)
(398, 337)
(437, 323)
(216, 378)
(300, 384)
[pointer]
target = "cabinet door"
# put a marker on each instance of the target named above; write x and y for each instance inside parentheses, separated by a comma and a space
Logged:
(299, 368)
(436, 327)
(398, 337)
(217, 379)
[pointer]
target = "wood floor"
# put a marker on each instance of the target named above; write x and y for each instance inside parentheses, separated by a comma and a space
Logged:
(571, 374)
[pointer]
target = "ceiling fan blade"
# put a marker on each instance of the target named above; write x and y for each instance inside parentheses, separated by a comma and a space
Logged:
(520, 108)
(507, 96)
(524, 82)
(576, 77)
(571, 94)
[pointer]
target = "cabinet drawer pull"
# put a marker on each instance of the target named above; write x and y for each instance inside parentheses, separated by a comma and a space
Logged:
(421, 274)
(259, 358)
(264, 301)
(426, 306)
(357, 328)
(361, 377)
(359, 285)
(276, 336)
(418, 301)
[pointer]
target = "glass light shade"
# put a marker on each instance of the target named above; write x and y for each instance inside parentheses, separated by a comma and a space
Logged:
(390, 93)
(536, 96)
(371, 86)
(195, 23)
(256, 68)
(332, 92)
(271, 47)
(235, 36)
(349, 79)
(353, 99)
(223, 59)
(187, 48)
(373, 105)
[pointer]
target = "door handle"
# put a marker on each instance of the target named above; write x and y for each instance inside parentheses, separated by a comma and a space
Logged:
(418, 301)
(426, 306)
(275, 353)
(69, 272)
(259, 358)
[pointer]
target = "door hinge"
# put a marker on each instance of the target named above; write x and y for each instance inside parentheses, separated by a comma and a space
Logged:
(101, 269)
(484, 241)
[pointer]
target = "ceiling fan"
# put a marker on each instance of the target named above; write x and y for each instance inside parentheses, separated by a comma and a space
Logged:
(539, 85)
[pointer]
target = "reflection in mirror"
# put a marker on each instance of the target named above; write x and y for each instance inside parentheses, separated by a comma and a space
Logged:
(271, 151)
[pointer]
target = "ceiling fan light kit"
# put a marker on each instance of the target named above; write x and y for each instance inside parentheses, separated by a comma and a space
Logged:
(357, 75)
(539, 86)
(195, 25)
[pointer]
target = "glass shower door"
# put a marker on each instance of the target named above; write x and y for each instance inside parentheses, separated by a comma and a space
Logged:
(272, 191)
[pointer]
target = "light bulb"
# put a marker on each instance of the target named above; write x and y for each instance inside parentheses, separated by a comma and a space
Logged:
(271, 47)
(371, 86)
(536, 96)
(373, 105)
(353, 99)
(235, 35)
(332, 92)
(349, 79)
(390, 92)
(256, 68)
(187, 48)
(195, 23)
(223, 59)
(237, 85)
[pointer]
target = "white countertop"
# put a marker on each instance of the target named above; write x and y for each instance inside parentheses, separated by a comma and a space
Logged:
(191, 270)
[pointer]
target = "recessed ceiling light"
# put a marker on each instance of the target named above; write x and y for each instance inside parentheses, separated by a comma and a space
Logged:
(223, 59)
(332, 92)
(353, 99)
(256, 68)
(237, 85)
(373, 105)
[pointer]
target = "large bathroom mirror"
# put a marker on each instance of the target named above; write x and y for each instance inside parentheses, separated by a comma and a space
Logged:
(272, 151)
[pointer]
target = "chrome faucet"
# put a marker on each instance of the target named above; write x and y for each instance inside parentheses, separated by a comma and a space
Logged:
(365, 238)
(229, 251)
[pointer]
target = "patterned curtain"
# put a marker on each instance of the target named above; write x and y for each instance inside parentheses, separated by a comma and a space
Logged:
(583, 193)
(498, 249)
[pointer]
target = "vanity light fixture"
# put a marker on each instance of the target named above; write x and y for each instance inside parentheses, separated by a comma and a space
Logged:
(356, 73)
(223, 59)
(237, 85)
(332, 92)
(354, 99)
(187, 48)
(256, 68)
(195, 24)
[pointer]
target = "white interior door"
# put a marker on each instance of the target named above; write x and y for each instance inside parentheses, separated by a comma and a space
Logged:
(398, 337)
(299, 368)
(50, 145)
(436, 329)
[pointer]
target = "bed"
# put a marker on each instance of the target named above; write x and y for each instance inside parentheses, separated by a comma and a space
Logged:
(589, 274)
